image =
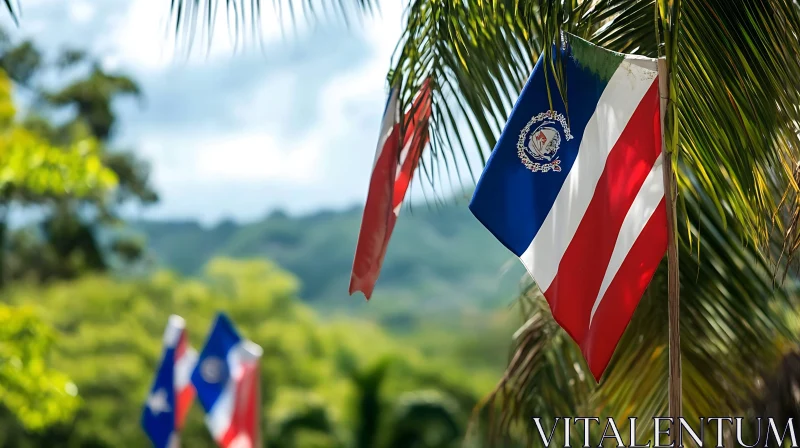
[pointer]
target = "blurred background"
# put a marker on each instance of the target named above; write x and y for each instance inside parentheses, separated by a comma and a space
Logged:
(143, 179)
(146, 171)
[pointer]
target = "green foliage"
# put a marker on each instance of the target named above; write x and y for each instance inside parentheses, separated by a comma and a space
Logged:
(92, 97)
(244, 17)
(61, 168)
(38, 395)
(317, 377)
(309, 420)
(33, 168)
(425, 419)
(35, 171)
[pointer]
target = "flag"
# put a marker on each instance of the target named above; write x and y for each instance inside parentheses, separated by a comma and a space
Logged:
(396, 160)
(577, 193)
(227, 381)
(172, 392)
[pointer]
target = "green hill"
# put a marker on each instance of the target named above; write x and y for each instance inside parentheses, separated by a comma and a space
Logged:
(438, 256)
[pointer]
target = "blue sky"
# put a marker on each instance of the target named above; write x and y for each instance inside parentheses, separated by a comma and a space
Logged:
(237, 134)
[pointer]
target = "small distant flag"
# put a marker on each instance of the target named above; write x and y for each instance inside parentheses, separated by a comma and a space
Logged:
(578, 194)
(172, 392)
(228, 386)
(396, 160)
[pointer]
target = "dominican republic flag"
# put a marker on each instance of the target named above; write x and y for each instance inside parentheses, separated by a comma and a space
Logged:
(172, 392)
(578, 194)
(396, 160)
(228, 386)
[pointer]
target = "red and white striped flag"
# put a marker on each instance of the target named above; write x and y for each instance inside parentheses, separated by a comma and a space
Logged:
(395, 162)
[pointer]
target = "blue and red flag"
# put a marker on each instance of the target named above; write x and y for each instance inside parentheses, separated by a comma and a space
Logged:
(399, 150)
(227, 382)
(172, 392)
(577, 193)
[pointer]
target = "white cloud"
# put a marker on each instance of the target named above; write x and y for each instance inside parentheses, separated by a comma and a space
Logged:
(332, 159)
(145, 38)
(81, 11)
(267, 101)
(257, 156)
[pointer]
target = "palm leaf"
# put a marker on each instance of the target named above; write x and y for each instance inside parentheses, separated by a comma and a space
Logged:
(13, 11)
(545, 378)
(244, 17)
(736, 77)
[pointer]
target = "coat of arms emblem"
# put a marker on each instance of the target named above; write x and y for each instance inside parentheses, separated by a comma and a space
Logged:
(212, 370)
(540, 140)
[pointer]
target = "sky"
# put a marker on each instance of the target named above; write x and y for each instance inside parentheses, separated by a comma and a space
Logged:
(237, 132)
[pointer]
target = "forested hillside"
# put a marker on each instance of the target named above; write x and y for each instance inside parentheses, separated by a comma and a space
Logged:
(439, 255)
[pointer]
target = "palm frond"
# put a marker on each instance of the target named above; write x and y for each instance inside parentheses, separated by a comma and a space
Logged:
(13, 11)
(245, 17)
(545, 378)
(734, 124)
(737, 91)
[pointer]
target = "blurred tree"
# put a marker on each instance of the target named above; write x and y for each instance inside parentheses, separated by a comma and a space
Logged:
(20, 61)
(419, 419)
(37, 395)
(425, 419)
(36, 172)
(308, 421)
(76, 233)
(109, 343)
(92, 97)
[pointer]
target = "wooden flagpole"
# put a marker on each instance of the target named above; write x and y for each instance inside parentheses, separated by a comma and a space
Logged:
(673, 272)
